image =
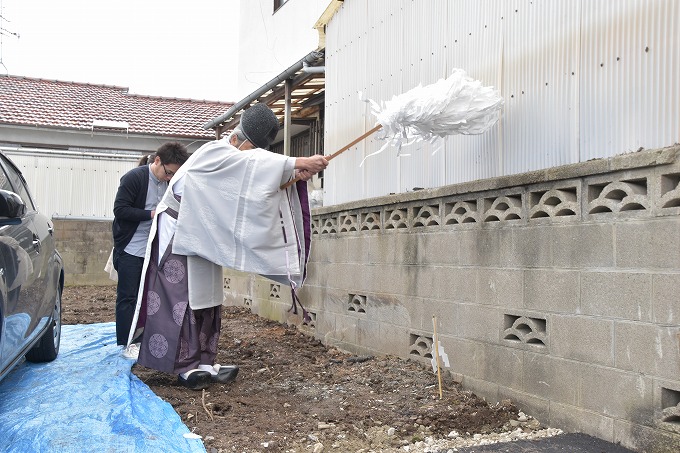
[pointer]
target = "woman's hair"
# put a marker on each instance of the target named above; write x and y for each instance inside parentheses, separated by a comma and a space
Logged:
(144, 160)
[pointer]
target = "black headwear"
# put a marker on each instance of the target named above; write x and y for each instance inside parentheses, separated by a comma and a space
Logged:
(259, 125)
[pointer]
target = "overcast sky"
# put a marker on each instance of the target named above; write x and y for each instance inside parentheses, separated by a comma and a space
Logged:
(173, 48)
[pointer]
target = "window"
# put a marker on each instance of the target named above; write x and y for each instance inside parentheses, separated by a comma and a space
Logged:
(278, 4)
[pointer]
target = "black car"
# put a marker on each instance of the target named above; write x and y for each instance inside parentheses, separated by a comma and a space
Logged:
(31, 276)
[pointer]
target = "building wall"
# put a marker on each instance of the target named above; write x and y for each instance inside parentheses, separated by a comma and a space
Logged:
(270, 42)
(580, 80)
(557, 288)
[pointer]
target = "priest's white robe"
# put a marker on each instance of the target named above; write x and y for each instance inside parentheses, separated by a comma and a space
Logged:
(233, 214)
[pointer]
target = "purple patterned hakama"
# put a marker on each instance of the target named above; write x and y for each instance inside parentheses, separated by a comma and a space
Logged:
(176, 338)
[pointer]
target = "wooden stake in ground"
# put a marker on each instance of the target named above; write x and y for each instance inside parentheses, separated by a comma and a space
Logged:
(451, 106)
(435, 340)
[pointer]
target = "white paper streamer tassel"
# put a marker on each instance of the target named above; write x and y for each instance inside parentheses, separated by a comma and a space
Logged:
(455, 105)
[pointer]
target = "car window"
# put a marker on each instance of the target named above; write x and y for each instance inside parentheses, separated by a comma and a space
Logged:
(15, 182)
(4, 181)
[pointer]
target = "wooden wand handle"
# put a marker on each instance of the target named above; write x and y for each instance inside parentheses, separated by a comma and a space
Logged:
(338, 152)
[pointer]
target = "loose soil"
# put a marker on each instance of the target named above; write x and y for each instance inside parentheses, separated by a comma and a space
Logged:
(295, 394)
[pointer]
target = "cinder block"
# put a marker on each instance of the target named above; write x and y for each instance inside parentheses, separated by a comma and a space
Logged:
(420, 281)
(583, 246)
(501, 365)
(645, 439)
(616, 393)
(347, 276)
(318, 252)
(368, 333)
(454, 283)
(447, 314)
(665, 306)
(648, 349)
(464, 356)
(582, 338)
(310, 296)
(551, 378)
(357, 249)
(501, 287)
(552, 290)
(527, 247)
(387, 308)
(325, 326)
(484, 389)
(393, 340)
(404, 280)
(345, 329)
(440, 248)
(624, 295)
(577, 420)
(482, 247)
(335, 301)
(478, 322)
(539, 408)
(651, 244)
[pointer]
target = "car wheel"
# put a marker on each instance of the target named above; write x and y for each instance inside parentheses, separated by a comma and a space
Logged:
(47, 348)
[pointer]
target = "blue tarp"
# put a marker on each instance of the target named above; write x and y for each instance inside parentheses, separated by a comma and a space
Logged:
(87, 400)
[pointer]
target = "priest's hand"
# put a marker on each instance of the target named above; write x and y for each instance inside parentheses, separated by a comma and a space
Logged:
(312, 165)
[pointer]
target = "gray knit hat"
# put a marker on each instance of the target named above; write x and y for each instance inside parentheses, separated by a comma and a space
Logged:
(259, 125)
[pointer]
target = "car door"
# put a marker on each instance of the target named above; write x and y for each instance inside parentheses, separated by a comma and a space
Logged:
(22, 264)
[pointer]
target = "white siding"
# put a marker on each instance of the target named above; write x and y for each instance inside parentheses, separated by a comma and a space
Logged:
(581, 80)
(72, 185)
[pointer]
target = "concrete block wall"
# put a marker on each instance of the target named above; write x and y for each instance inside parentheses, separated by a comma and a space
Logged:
(558, 288)
(85, 246)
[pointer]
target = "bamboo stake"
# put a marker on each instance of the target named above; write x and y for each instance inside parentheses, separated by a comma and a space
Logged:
(436, 348)
(338, 152)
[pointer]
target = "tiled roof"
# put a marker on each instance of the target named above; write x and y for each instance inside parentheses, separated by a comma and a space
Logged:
(71, 105)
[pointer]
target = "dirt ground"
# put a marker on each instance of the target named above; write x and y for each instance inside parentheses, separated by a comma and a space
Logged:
(295, 394)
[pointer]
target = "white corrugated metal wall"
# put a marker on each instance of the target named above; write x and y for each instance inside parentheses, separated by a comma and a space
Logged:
(581, 80)
(72, 184)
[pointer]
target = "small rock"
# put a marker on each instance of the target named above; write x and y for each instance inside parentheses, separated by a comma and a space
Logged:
(318, 447)
(391, 431)
(521, 416)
